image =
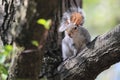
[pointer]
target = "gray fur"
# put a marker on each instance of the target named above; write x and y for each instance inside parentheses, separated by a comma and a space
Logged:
(76, 37)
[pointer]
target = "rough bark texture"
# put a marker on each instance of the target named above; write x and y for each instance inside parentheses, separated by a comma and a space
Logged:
(18, 24)
(7, 11)
(99, 55)
(26, 64)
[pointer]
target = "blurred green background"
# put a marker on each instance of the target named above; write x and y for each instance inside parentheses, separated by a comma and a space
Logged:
(102, 16)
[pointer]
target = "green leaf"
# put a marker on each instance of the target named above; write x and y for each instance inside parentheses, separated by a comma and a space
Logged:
(41, 21)
(3, 72)
(47, 25)
(8, 47)
(3, 69)
(35, 43)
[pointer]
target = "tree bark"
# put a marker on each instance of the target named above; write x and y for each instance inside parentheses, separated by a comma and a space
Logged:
(99, 55)
(26, 64)
(20, 21)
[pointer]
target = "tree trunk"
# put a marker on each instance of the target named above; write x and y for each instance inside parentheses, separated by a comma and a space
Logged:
(26, 64)
(18, 24)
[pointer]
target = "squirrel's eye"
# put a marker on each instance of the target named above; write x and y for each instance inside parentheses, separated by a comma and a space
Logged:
(75, 28)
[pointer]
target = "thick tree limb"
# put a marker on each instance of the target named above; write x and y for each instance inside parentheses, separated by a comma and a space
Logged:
(99, 55)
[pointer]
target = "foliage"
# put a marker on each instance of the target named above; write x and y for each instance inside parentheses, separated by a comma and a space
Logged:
(35, 43)
(45, 23)
(101, 15)
(4, 64)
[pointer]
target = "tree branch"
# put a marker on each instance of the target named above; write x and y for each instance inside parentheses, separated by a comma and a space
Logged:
(99, 55)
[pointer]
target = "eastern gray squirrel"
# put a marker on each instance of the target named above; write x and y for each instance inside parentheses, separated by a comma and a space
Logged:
(76, 36)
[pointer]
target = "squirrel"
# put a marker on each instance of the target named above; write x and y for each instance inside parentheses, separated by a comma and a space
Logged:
(76, 36)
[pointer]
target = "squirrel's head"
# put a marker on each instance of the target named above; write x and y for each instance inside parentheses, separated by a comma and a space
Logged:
(72, 29)
(75, 16)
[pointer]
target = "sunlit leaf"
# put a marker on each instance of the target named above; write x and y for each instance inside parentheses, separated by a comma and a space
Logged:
(41, 21)
(45, 23)
(8, 47)
(35, 43)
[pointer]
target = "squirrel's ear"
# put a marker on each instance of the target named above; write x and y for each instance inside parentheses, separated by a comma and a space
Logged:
(64, 22)
(62, 27)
